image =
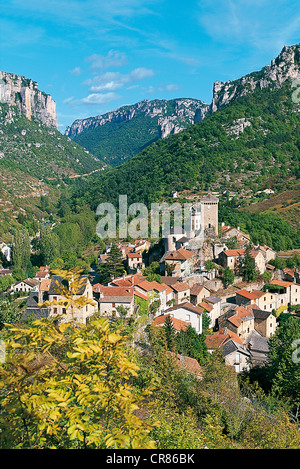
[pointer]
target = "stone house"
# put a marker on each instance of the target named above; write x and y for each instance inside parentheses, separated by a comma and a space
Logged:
(231, 258)
(239, 320)
(156, 291)
(181, 261)
(110, 298)
(181, 291)
(264, 322)
(134, 261)
(231, 347)
(198, 293)
(66, 314)
(215, 304)
(48, 290)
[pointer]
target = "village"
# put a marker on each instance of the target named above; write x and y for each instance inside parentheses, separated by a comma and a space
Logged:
(190, 285)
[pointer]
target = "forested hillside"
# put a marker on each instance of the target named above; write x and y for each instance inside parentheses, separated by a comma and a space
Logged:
(119, 135)
(219, 146)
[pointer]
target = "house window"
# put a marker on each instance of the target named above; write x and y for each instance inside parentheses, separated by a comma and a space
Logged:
(187, 318)
(55, 298)
(55, 310)
(64, 310)
(265, 298)
(113, 305)
(271, 297)
(265, 307)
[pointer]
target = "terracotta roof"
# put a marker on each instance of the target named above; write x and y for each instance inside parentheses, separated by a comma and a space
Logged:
(168, 289)
(134, 254)
(41, 274)
(140, 295)
(188, 306)
(167, 280)
(148, 286)
(45, 284)
(250, 295)
(181, 255)
(177, 323)
(234, 252)
(196, 289)
(220, 337)
(180, 286)
(190, 365)
(128, 280)
(109, 291)
(206, 306)
(281, 283)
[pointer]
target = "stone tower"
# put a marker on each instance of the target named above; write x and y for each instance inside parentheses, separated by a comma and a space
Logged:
(209, 209)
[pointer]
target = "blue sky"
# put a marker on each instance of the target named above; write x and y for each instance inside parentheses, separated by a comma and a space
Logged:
(94, 56)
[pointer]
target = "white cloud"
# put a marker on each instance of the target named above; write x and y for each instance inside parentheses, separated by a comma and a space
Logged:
(98, 98)
(114, 58)
(112, 81)
(76, 71)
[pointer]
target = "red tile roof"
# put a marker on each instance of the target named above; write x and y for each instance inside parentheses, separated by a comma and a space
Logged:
(219, 338)
(181, 255)
(234, 252)
(180, 286)
(177, 323)
(281, 283)
(250, 295)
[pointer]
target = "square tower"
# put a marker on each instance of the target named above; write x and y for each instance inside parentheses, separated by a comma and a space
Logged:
(209, 208)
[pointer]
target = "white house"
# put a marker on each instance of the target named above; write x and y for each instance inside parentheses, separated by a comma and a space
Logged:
(189, 313)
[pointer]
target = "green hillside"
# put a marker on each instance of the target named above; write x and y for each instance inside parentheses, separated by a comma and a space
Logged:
(208, 155)
(117, 136)
(38, 150)
(115, 142)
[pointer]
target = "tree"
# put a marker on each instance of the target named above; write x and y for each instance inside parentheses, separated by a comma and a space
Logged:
(48, 246)
(191, 344)
(248, 267)
(228, 277)
(170, 332)
(67, 386)
(114, 265)
(20, 249)
(284, 360)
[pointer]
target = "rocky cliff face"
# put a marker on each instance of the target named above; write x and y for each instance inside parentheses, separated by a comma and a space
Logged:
(285, 66)
(24, 93)
(172, 116)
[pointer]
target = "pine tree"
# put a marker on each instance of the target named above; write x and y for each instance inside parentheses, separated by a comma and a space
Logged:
(114, 266)
(170, 333)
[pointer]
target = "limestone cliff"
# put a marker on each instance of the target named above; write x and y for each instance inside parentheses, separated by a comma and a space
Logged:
(24, 93)
(284, 67)
(171, 116)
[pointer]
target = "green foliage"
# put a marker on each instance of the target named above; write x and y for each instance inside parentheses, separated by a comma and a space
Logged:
(228, 277)
(38, 150)
(68, 386)
(114, 266)
(204, 152)
(20, 249)
(191, 344)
